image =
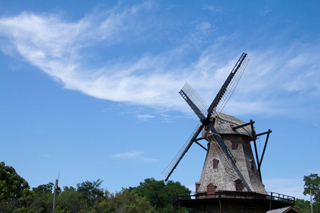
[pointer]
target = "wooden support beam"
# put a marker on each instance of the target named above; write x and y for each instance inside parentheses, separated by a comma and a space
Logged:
(265, 146)
(254, 136)
(243, 125)
(201, 145)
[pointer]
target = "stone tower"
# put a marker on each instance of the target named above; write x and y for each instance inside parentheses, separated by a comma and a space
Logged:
(219, 173)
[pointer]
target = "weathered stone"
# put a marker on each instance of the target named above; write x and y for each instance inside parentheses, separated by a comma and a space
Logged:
(227, 175)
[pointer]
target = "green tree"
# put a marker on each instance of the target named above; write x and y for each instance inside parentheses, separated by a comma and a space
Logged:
(14, 190)
(125, 201)
(312, 183)
(159, 193)
(44, 188)
(311, 186)
(42, 199)
(70, 200)
(91, 192)
(302, 205)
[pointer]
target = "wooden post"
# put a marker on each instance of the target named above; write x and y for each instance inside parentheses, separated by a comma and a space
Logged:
(55, 197)
(220, 206)
(271, 198)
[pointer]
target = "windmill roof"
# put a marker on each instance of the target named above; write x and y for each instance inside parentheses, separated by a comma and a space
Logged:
(224, 123)
(283, 210)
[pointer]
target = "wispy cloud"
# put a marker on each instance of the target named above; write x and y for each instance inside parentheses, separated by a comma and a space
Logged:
(45, 156)
(211, 8)
(128, 155)
(287, 186)
(138, 155)
(65, 51)
(265, 11)
(144, 117)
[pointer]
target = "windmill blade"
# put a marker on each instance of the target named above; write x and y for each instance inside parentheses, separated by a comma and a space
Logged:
(174, 163)
(226, 86)
(233, 84)
(222, 144)
(193, 98)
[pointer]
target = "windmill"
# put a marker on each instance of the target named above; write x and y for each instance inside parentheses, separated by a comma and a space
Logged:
(229, 164)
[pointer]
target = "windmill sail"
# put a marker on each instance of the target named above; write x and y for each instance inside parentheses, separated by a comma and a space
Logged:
(197, 104)
(174, 163)
(228, 87)
(233, 83)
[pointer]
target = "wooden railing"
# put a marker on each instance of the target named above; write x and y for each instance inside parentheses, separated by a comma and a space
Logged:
(281, 197)
(236, 195)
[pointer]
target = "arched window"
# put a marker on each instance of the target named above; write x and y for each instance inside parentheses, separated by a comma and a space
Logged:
(238, 184)
(215, 163)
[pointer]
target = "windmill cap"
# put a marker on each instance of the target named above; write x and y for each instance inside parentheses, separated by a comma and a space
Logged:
(224, 123)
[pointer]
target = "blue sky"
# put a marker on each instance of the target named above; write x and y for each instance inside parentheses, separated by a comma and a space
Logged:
(90, 89)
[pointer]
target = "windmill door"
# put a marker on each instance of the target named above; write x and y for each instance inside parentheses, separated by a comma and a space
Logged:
(211, 189)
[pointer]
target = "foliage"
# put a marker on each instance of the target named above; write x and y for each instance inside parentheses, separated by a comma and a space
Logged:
(71, 200)
(14, 189)
(150, 196)
(46, 188)
(90, 191)
(302, 205)
(160, 194)
(126, 201)
(42, 199)
(312, 183)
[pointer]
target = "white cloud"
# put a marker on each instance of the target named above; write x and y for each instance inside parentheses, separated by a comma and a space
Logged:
(128, 155)
(138, 155)
(60, 49)
(287, 186)
(144, 117)
(212, 8)
(203, 26)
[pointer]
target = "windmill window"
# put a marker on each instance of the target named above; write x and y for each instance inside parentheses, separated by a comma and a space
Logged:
(215, 163)
(211, 191)
(238, 184)
(234, 145)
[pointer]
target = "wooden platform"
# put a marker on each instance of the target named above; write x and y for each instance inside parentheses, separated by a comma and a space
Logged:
(232, 201)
